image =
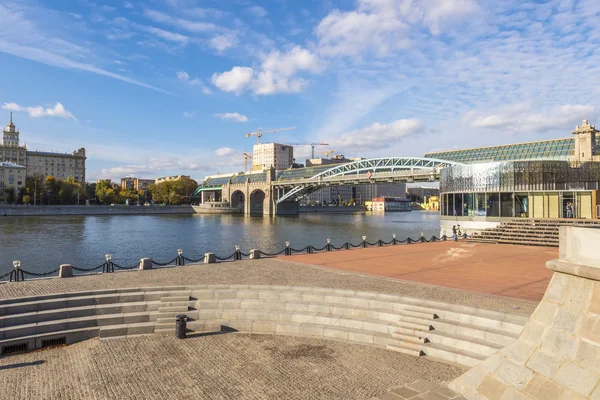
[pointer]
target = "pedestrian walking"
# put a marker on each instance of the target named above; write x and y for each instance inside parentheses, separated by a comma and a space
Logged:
(454, 236)
(569, 210)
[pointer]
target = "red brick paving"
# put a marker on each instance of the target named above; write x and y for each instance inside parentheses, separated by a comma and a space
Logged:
(498, 269)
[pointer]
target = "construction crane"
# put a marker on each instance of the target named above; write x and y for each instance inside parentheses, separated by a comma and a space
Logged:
(246, 157)
(327, 153)
(312, 145)
(259, 133)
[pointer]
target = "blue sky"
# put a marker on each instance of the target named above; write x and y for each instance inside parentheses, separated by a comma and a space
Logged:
(164, 87)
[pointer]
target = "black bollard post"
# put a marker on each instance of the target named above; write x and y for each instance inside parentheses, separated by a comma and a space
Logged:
(237, 255)
(288, 251)
(364, 242)
(422, 238)
(328, 247)
(180, 261)
(394, 240)
(181, 326)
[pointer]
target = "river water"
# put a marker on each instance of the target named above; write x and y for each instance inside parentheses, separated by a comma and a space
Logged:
(43, 243)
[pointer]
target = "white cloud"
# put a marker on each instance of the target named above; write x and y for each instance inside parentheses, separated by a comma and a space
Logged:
(276, 74)
(189, 114)
(258, 11)
(39, 111)
(222, 42)
(383, 26)
(236, 117)
(30, 43)
(522, 117)
(185, 24)
(236, 80)
(377, 135)
(184, 77)
(166, 35)
(224, 151)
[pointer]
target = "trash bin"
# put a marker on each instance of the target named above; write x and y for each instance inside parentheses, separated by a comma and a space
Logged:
(180, 326)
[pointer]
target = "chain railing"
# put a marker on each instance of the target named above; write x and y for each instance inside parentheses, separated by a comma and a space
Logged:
(18, 274)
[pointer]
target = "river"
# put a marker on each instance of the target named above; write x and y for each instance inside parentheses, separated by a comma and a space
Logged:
(43, 243)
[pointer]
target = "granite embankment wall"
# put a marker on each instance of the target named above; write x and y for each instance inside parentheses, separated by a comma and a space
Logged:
(557, 355)
(332, 209)
(14, 211)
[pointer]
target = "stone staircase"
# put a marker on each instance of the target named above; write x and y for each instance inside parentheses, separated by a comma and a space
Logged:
(169, 308)
(460, 334)
(528, 231)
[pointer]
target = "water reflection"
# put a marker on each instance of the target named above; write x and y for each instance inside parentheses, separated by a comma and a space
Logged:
(42, 243)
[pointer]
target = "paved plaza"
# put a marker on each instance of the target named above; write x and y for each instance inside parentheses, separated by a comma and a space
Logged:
(251, 366)
(223, 366)
(497, 269)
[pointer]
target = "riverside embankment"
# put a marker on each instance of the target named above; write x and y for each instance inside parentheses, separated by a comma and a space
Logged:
(23, 211)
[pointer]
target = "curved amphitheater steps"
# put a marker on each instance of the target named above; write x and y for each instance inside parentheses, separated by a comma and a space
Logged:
(455, 333)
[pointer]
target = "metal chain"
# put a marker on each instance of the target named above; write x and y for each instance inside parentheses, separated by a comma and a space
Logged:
(164, 264)
(355, 246)
(371, 244)
(321, 249)
(41, 273)
(192, 260)
(136, 265)
(298, 250)
(272, 254)
(5, 275)
(338, 248)
(224, 258)
(89, 269)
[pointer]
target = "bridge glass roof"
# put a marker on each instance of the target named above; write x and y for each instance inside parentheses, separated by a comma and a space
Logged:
(558, 149)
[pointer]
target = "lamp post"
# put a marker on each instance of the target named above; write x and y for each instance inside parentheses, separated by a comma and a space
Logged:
(17, 274)
(108, 265)
(180, 260)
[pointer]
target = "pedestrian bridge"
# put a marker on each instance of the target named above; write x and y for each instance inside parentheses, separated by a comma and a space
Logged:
(266, 192)
(373, 170)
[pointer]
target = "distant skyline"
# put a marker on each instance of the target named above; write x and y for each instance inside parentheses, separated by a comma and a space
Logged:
(165, 87)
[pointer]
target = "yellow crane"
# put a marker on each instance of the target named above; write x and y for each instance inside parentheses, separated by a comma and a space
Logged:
(327, 153)
(258, 133)
(246, 157)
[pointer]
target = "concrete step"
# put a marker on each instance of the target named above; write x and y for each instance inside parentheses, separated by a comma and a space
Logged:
(140, 328)
(409, 338)
(409, 350)
(461, 342)
(76, 312)
(174, 299)
(173, 309)
(448, 353)
(164, 331)
(72, 323)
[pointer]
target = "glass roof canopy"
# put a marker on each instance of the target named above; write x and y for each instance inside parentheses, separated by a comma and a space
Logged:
(557, 149)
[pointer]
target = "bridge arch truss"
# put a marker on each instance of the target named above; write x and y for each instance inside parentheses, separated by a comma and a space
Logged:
(362, 171)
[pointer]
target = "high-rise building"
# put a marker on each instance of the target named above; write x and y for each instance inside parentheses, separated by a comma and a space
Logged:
(267, 155)
(43, 163)
(10, 151)
(59, 165)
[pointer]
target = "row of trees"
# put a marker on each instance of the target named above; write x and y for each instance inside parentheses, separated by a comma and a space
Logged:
(173, 192)
(52, 191)
(47, 190)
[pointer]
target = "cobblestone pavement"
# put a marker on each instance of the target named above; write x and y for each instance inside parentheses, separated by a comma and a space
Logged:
(223, 366)
(274, 271)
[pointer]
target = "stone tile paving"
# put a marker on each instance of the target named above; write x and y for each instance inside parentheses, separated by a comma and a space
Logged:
(420, 390)
(223, 366)
(265, 272)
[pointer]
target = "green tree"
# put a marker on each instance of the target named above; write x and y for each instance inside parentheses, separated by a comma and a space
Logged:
(10, 195)
(26, 199)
